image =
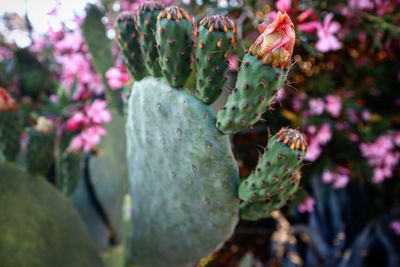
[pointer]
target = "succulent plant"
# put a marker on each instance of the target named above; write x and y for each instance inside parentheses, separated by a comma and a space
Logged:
(184, 178)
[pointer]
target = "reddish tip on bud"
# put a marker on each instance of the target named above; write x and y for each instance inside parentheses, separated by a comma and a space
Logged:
(292, 138)
(174, 13)
(275, 44)
(7, 102)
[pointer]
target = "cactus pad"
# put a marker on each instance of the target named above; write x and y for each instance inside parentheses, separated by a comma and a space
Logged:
(276, 177)
(128, 41)
(146, 27)
(174, 37)
(214, 44)
(255, 89)
(183, 177)
(39, 154)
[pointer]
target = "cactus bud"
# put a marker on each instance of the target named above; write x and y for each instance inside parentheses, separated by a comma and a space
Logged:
(275, 44)
(7, 102)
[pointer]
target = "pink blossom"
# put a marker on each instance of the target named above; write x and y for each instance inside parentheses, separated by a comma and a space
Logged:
(308, 26)
(395, 226)
(326, 39)
(324, 134)
(366, 115)
(298, 101)
(338, 179)
(98, 112)
(361, 4)
(313, 151)
(353, 137)
(87, 139)
(307, 205)
(328, 177)
(77, 121)
(117, 77)
(341, 181)
(316, 105)
(333, 105)
(283, 5)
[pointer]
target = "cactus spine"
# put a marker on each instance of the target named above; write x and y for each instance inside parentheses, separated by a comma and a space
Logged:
(174, 37)
(146, 27)
(128, 40)
(214, 44)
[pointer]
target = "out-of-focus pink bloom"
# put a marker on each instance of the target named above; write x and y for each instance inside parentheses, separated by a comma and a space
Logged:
(338, 179)
(307, 205)
(98, 112)
(233, 63)
(275, 44)
(395, 226)
(117, 77)
(283, 5)
(311, 129)
(313, 151)
(72, 41)
(366, 115)
(361, 4)
(324, 134)
(396, 138)
(87, 139)
(308, 26)
(353, 137)
(327, 41)
(298, 101)
(341, 180)
(316, 105)
(77, 121)
(328, 177)
(333, 105)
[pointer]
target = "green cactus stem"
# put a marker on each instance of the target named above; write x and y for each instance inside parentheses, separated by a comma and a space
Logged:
(146, 27)
(128, 41)
(174, 37)
(214, 44)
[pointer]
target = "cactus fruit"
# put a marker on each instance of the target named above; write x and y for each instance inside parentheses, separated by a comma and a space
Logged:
(174, 38)
(128, 41)
(261, 74)
(146, 27)
(276, 177)
(41, 141)
(214, 44)
(184, 178)
(10, 126)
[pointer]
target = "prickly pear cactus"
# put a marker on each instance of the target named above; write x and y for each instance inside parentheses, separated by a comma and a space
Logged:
(184, 178)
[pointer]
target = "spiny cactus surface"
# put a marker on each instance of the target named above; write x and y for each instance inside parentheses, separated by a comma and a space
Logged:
(183, 177)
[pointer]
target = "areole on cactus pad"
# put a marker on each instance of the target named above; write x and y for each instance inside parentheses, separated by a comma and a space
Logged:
(184, 178)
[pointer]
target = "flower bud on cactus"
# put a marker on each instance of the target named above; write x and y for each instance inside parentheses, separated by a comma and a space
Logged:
(128, 41)
(214, 44)
(275, 44)
(10, 126)
(174, 37)
(39, 154)
(146, 27)
(260, 76)
(276, 177)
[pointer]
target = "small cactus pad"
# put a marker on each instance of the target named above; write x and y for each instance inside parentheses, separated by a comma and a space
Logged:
(128, 40)
(255, 90)
(183, 175)
(214, 44)
(174, 37)
(146, 27)
(276, 176)
(40, 150)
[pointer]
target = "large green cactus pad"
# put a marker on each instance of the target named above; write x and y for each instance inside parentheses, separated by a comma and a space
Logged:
(38, 226)
(183, 177)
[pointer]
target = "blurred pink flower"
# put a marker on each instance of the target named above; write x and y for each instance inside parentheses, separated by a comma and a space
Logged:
(395, 226)
(313, 151)
(283, 5)
(316, 106)
(87, 139)
(338, 179)
(324, 134)
(326, 40)
(98, 112)
(307, 205)
(333, 105)
(341, 181)
(361, 4)
(77, 121)
(328, 177)
(117, 77)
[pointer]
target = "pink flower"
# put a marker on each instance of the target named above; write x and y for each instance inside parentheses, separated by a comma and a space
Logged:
(324, 134)
(361, 4)
(338, 179)
(117, 77)
(326, 40)
(88, 139)
(283, 5)
(333, 105)
(307, 205)
(309, 26)
(313, 151)
(341, 181)
(98, 112)
(77, 121)
(328, 177)
(395, 226)
(275, 44)
(316, 106)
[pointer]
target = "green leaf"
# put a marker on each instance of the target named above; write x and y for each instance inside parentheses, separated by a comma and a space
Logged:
(38, 226)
